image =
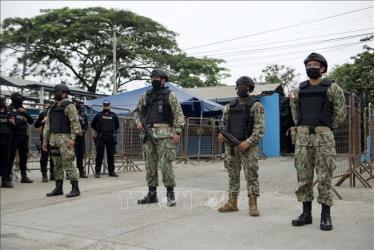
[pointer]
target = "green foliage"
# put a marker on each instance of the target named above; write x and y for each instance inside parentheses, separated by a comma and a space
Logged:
(356, 77)
(77, 44)
(278, 74)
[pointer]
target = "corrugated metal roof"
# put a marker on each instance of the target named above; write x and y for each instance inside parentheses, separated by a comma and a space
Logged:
(22, 83)
(220, 92)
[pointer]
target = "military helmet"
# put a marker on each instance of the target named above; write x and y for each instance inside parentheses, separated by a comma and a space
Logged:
(160, 73)
(62, 88)
(16, 97)
(319, 58)
(247, 81)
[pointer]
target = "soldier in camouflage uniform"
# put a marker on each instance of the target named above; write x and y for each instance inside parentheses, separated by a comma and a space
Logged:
(162, 112)
(60, 131)
(318, 106)
(244, 119)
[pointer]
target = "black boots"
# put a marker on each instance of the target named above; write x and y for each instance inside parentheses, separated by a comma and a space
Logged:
(44, 177)
(6, 182)
(75, 189)
(170, 197)
(58, 189)
(305, 217)
(151, 196)
(25, 179)
(82, 173)
(113, 174)
(325, 219)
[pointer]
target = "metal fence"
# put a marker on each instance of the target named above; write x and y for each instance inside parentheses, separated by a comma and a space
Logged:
(348, 144)
(199, 142)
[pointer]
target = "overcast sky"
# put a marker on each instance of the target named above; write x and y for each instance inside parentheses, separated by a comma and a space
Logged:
(201, 23)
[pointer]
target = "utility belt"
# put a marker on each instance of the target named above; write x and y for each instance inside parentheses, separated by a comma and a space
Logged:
(306, 130)
(312, 129)
(158, 125)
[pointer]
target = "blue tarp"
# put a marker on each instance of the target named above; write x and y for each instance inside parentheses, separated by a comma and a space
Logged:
(191, 105)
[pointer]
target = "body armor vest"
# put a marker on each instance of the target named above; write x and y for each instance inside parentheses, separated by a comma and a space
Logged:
(314, 107)
(106, 123)
(59, 122)
(158, 109)
(4, 123)
(240, 121)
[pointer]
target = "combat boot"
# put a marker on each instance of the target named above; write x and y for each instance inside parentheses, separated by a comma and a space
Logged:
(325, 219)
(151, 196)
(82, 173)
(253, 207)
(25, 179)
(75, 189)
(6, 183)
(171, 202)
(44, 178)
(231, 205)
(305, 217)
(58, 189)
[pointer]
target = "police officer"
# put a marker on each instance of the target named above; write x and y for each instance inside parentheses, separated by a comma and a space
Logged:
(244, 119)
(162, 113)
(39, 123)
(318, 106)
(6, 123)
(20, 139)
(60, 131)
(80, 146)
(105, 124)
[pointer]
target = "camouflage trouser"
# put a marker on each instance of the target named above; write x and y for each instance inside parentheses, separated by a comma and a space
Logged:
(162, 155)
(321, 156)
(62, 156)
(248, 160)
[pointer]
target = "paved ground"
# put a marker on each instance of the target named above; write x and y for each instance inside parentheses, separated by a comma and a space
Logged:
(105, 216)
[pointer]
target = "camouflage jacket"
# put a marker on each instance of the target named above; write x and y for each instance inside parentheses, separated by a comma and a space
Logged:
(75, 126)
(257, 111)
(178, 117)
(335, 95)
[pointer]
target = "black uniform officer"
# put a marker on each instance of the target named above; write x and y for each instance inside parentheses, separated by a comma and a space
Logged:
(80, 144)
(105, 124)
(20, 139)
(44, 155)
(6, 123)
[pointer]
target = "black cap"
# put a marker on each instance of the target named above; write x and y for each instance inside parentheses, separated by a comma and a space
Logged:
(106, 102)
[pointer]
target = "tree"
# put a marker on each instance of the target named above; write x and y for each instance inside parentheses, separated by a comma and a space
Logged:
(357, 77)
(22, 37)
(76, 44)
(278, 74)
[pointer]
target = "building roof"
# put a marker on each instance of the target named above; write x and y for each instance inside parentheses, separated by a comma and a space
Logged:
(22, 83)
(227, 92)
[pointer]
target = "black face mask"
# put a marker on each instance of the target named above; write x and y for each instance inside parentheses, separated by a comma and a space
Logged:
(106, 110)
(313, 73)
(156, 84)
(242, 93)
